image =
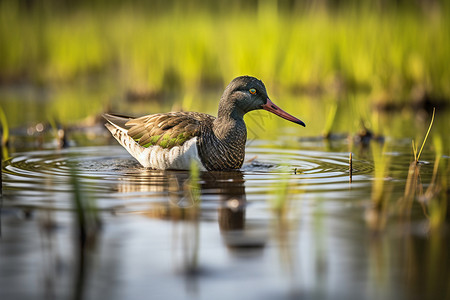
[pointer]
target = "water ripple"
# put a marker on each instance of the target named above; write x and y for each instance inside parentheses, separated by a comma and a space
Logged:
(42, 178)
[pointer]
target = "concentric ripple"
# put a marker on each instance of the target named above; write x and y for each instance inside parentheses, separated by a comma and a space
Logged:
(326, 173)
(45, 178)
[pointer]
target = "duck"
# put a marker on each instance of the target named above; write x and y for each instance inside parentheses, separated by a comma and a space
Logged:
(175, 140)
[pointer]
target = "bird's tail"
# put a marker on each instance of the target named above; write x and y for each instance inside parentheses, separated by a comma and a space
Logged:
(117, 121)
(117, 126)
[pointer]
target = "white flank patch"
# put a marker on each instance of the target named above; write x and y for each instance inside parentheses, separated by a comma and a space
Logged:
(156, 157)
(178, 157)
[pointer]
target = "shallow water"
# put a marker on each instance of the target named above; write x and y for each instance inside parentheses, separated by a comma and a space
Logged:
(167, 234)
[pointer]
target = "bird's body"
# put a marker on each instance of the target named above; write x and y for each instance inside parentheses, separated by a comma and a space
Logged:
(172, 140)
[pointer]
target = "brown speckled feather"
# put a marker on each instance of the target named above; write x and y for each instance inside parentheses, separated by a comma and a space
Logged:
(167, 130)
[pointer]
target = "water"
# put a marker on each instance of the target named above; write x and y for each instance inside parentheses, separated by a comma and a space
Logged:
(155, 234)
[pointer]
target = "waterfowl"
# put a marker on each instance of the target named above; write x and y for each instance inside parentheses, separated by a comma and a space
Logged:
(172, 140)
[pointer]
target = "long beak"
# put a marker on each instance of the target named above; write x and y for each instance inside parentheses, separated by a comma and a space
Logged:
(269, 106)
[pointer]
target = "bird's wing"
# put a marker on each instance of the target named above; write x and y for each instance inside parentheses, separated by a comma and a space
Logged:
(166, 130)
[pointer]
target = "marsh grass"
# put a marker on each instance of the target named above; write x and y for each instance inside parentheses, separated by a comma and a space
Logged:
(350, 167)
(88, 223)
(388, 53)
(286, 218)
(432, 196)
(193, 185)
(417, 154)
(377, 212)
(280, 196)
(87, 229)
(5, 135)
(331, 116)
(189, 218)
(187, 206)
(192, 190)
(435, 197)
(59, 133)
(414, 186)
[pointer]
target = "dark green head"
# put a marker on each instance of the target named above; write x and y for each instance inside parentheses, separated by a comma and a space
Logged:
(246, 93)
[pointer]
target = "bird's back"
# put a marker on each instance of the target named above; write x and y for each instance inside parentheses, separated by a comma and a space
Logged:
(161, 141)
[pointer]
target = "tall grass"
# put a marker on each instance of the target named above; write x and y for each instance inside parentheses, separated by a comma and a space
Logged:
(389, 53)
(88, 221)
(417, 154)
(4, 132)
(414, 187)
(436, 194)
(376, 214)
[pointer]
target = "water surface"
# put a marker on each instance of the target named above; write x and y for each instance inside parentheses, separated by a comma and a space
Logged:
(167, 234)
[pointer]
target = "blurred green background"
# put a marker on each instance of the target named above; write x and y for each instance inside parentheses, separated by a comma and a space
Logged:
(68, 60)
(346, 68)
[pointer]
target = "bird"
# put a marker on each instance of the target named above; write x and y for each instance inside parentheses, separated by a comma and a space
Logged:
(173, 140)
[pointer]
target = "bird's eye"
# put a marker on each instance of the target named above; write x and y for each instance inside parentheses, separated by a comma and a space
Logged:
(252, 91)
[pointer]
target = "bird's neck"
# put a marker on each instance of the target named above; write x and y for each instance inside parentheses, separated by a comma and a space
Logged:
(229, 128)
(223, 148)
(228, 110)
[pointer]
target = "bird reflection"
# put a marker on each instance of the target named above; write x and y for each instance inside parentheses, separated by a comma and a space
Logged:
(186, 199)
(230, 189)
(177, 196)
(237, 232)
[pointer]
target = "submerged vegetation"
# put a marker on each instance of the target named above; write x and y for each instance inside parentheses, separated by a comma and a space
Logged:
(432, 196)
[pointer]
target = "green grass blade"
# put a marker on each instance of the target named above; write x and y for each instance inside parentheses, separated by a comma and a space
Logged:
(426, 136)
(5, 127)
